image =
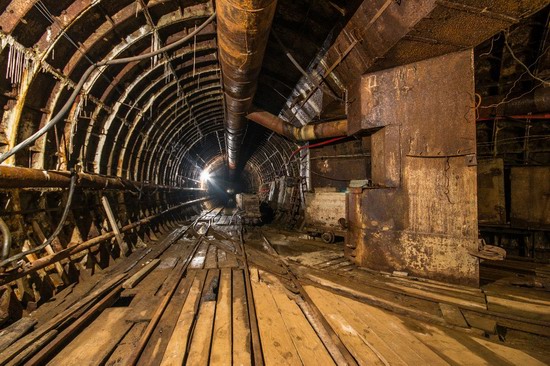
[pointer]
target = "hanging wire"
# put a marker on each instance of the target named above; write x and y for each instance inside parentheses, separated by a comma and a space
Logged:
(506, 99)
(66, 107)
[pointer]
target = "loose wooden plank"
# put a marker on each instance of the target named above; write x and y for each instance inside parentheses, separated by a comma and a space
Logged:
(524, 308)
(222, 259)
(453, 315)
(127, 345)
(310, 348)
(154, 351)
(95, 343)
(448, 347)
(198, 260)
(277, 345)
(12, 333)
(114, 225)
(480, 322)
(392, 331)
(221, 344)
(241, 326)
(80, 305)
(462, 301)
(515, 356)
(361, 351)
(177, 345)
(75, 328)
(141, 274)
(232, 260)
(211, 260)
(33, 348)
(199, 351)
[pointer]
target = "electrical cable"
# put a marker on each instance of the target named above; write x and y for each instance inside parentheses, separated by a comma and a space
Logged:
(6, 245)
(57, 230)
(329, 178)
(66, 107)
(311, 146)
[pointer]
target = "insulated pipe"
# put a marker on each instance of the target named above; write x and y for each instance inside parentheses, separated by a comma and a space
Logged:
(306, 133)
(243, 31)
(18, 177)
(536, 103)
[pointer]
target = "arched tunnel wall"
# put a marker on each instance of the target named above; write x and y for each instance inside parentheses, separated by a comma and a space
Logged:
(138, 135)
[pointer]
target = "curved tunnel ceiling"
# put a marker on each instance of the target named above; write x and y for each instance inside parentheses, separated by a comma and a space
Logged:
(158, 120)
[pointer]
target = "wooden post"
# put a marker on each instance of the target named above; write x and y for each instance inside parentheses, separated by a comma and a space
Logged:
(42, 238)
(112, 220)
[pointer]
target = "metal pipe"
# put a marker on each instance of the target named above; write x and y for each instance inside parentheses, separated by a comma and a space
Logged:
(305, 133)
(243, 31)
(18, 177)
(537, 102)
(6, 234)
(519, 116)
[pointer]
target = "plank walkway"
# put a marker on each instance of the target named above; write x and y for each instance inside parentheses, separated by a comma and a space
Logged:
(207, 320)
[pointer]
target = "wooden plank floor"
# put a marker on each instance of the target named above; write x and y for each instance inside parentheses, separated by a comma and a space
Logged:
(207, 322)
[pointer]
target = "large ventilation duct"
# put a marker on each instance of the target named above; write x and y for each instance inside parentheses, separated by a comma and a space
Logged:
(243, 30)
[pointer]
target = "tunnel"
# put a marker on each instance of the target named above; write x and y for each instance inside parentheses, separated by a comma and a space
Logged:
(340, 182)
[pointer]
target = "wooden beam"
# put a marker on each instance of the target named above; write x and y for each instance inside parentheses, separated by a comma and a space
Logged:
(112, 220)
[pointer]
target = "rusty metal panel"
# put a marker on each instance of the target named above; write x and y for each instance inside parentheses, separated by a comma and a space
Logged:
(422, 216)
(490, 189)
(530, 206)
(324, 209)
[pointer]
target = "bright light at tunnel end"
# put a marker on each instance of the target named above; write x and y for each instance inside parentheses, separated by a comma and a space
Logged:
(205, 175)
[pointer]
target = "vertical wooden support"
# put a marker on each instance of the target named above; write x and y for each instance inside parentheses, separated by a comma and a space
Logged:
(112, 220)
(58, 266)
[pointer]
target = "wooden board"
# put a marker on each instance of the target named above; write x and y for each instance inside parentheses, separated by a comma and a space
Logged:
(177, 345)
(199, 351)
(277, 345)
(310, 348)
(94, 345)
(350, 336)
(156, 346)
(221, 353)
(241, 325)
(456, 347)
(390, 329)
(141, 274)
(211, 260)
(453, 315)
(222, 259)
(198, 260)
(127, 345)
(15, 331)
